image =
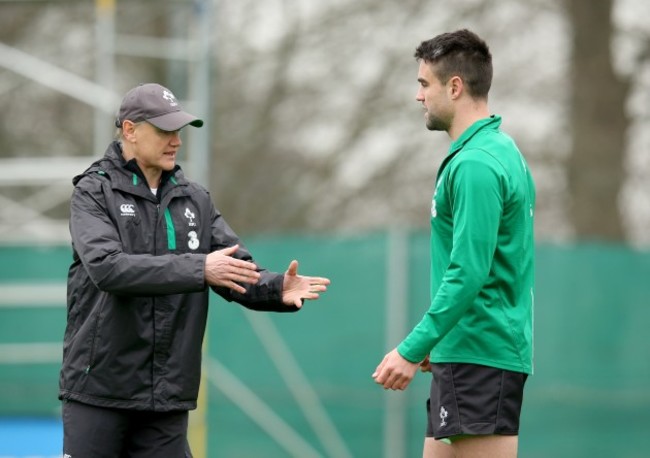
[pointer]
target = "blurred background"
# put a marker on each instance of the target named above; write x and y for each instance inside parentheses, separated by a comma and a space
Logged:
(314, 148)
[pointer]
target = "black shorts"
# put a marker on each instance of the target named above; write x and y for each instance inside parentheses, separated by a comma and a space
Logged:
(99, 432)
(474, 400)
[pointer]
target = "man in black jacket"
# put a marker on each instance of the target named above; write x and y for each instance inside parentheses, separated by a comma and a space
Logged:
(147, 243)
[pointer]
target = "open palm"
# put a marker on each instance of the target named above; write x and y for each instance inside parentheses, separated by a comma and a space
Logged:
(297, 288)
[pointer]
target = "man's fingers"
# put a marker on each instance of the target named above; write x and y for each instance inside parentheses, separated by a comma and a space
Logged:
(313, 292)
(249, 279)
(239, 264)
(244, 271)
(377, 375)
(235, 287)
(400, 382)
(221, 269)
(234, 262)
(317, 280)
(390, 378)
(241, 276)
(391, 381)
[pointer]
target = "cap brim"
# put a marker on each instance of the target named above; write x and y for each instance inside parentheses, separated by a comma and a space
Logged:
(175, 121)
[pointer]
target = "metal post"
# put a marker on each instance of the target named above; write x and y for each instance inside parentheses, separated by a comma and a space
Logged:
(199, 157)
(200, 95)
(396, 319)
(105, 69)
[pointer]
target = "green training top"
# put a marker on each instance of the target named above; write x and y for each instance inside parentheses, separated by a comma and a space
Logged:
(482, 256)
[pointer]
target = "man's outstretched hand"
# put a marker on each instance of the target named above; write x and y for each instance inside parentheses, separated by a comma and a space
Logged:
(296, 287)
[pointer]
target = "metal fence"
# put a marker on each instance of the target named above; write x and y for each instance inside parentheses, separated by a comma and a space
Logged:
(300, 385)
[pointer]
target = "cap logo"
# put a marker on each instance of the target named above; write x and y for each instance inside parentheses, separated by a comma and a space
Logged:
(170, 97)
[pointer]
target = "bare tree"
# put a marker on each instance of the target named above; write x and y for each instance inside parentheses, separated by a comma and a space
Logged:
(320, 122)
(315, 123)
(598, 120)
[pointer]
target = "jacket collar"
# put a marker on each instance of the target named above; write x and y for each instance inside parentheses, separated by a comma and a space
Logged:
(127, 175)
(491, 123)
(115, 154)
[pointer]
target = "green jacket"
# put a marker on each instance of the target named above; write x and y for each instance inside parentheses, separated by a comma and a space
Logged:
(482, 256)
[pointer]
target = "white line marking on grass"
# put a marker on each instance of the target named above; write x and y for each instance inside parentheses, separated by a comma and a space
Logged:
(235, 390)
(298, 385)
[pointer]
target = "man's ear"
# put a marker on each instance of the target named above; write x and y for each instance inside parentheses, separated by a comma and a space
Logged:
(455, 87)
(128, 130)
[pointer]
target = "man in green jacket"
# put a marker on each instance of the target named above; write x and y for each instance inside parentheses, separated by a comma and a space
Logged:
(477, 335)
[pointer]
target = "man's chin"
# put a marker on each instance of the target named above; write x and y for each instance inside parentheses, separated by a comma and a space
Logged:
(435, 125)
(168, 165)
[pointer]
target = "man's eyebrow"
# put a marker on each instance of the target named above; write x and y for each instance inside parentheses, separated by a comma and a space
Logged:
(422, 80)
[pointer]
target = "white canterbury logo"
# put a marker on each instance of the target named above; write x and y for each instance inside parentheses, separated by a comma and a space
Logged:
(127, 209)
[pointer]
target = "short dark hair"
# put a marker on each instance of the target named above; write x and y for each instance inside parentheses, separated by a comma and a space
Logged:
(461, 53)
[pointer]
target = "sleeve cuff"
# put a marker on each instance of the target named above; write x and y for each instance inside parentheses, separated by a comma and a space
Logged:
(408, 353)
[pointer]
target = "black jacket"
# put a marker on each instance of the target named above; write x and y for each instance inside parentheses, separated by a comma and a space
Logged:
(137, 297)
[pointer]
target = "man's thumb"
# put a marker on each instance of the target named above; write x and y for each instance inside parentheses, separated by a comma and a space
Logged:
(293, 268)
(230, 250)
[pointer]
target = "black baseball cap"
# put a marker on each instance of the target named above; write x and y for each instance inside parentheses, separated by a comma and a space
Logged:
(157, 105)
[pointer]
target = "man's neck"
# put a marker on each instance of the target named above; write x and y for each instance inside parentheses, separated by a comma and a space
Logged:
(151, 175)
(466, 115)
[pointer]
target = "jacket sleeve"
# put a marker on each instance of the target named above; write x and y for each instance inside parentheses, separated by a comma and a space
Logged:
(96, 242)
(476, 191)
(266, 294)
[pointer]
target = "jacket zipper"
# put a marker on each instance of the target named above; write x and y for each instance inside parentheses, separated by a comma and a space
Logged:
(93, 343)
